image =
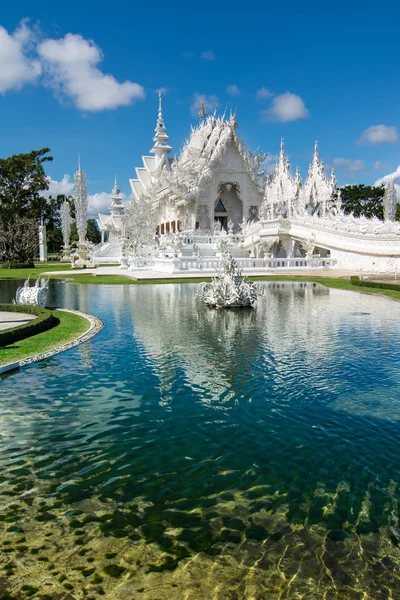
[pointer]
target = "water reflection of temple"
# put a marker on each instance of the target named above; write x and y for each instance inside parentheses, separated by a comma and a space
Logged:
(215, 347)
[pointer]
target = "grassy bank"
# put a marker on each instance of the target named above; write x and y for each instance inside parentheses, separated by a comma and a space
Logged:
(34, 273)
(71, 327)
(96, 279)
(339, 284)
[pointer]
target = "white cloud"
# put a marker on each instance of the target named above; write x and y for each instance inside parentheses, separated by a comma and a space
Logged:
(396, 180)
(161, 90)
(210, 102)
(65, 186)
(17, 66)
(348, 164)
(379, 134)
(233, 90)
(378, 166)
(285, 107)
(99, 202)
(70, 64)
(208, 55)
(263, 94)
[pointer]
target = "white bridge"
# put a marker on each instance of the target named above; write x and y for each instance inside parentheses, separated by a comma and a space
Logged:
(351, 243)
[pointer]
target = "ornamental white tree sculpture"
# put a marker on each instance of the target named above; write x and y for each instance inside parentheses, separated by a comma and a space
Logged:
(66, 221)
(229, 289)
(81, 205)
(139, 225)
(390, 202)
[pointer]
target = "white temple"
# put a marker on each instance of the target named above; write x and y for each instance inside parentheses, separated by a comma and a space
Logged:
(216, 196)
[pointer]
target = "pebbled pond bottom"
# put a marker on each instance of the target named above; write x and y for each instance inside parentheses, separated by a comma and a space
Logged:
(190, 453)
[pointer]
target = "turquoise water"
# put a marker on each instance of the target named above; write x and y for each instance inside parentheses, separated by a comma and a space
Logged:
(191, 453)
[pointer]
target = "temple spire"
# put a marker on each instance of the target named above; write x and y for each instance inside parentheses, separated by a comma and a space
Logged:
(316, 158)
(116, 206)
(161, 147)
(116, 190)
(202, 111)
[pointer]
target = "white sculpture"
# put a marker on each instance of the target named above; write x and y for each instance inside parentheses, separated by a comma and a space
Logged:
(390, 201)
(66, 221)
(42, 242)
(81, 204)
(35, 295)
(229, 289)
(139, 226)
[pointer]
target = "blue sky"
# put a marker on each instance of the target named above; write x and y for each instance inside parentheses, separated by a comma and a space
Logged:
(81, 77)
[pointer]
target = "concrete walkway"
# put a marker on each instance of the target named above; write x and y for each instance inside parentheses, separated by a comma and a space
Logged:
(13, 319)
(149, 274)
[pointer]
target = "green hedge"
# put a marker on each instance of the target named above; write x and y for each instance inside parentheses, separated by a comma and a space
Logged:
(14, 265)
(354, 280)
(45, 320)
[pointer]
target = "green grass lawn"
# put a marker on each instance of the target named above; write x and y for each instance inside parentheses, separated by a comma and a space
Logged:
(71, 326)
(34, 273)
(96, 279)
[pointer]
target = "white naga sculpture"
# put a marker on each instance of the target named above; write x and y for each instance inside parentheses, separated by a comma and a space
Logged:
(81, 205)
(390, 202)
(36, 294)
(229, 289)
(66, 221)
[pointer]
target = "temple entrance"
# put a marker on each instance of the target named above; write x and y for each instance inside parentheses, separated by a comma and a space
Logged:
(229, 205)
(223, 221)
(220, 215)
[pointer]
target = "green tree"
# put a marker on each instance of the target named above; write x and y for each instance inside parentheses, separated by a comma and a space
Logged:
(22, 205)
(363, 200)
(22, 181)
(92, 231)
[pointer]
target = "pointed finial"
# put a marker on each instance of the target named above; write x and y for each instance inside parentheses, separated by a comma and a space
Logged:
(160, 104)
(79, 161)
(316, 146)
(202, 112)
(115, 189)
(282, 144)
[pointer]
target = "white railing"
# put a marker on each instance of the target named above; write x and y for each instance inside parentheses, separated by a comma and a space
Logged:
(249, 265)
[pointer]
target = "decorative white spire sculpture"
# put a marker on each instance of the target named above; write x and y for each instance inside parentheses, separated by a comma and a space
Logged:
(116, 206)
(316, 193)
(280, 191)
(390, 201)
(202, 111)
(66, 221)
(161, 147)
(80, 202)
(81, 205)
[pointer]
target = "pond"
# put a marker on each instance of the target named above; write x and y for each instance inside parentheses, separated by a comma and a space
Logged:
(190, 453)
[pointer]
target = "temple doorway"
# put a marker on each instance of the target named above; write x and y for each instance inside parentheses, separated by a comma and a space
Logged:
(221, 215)
(229, 204)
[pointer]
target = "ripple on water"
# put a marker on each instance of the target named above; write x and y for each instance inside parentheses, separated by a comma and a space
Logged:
(251, 454)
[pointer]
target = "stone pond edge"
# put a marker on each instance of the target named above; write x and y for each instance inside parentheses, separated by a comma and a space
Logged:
(96, 325)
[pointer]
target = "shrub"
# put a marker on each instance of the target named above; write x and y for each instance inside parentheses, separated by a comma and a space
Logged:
(374, 284)
(16, 265)
(45, 320)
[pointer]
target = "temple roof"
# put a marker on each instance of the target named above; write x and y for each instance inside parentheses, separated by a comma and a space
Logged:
(186, 176)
